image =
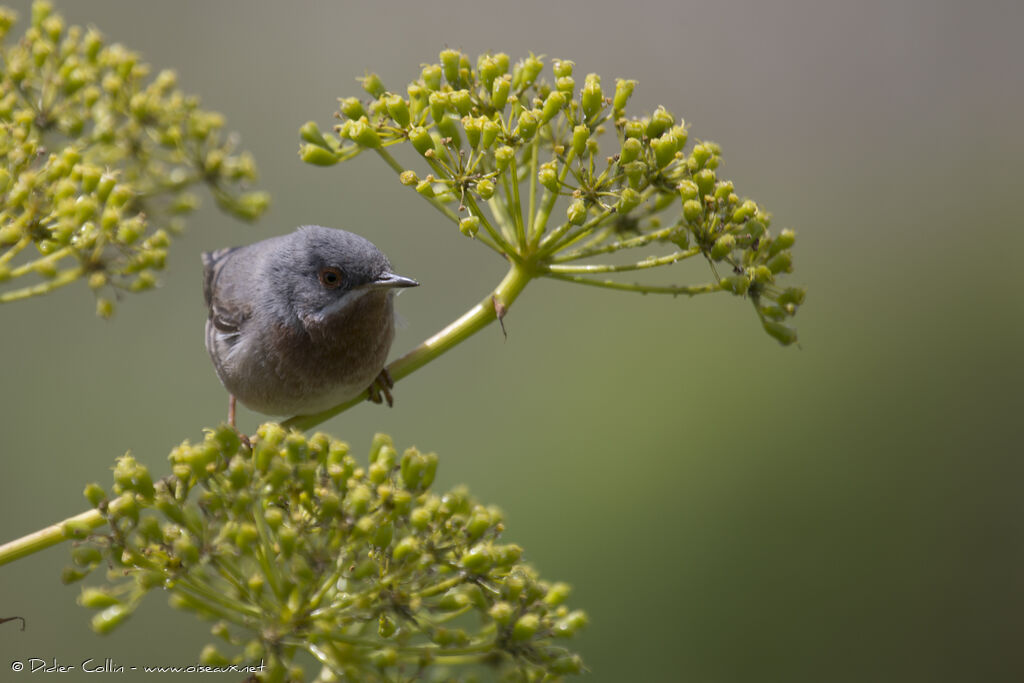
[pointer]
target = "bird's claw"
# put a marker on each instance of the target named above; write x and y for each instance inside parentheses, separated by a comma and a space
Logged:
(380, 390)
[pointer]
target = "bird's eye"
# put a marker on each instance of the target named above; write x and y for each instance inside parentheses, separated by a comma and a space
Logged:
(330, 277)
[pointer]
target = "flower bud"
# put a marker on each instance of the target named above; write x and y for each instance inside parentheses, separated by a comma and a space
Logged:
(398, 109)
(737, 284)
(110, 618)
(723, 190)
(450, 60)
(421, 140)
(693, 210)
(633, 129)
(426, 187)
(665, 149)
(318, 156)
(580, 134)
(792, 295)
(408, 178)
(661, 120)
(469, 226)
(372, 84)
(722, 247)
(499, 92)
(705, 179)
(565, 84)
(548, 176)
(461, 100)
(785, 240)
(783, 334)
(744, 211)
(488, 132)
(576, 214)
(431, 75)
(525, 627)
(781, 263)
(504, 155)
(700, 155)
(478, 559)
(528, 71)
(623, 91)
(526, 126)
(485, 188)
(406, 549)
(363, 134)
(310, 132)
(591, 97)
(552, 105)
(472, 128)
(629, 199)
(631, 149)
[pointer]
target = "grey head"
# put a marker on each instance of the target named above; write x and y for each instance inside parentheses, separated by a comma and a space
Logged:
(318, 271)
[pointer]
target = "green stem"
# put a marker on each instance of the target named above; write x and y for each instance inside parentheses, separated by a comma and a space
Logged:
(596, 250)
(397, 168)
(471, 322)
(608, 268)
(675, 290)
(50, 536)
(63, 278)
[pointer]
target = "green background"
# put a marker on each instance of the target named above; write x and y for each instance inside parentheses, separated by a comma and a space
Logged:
(725, 509)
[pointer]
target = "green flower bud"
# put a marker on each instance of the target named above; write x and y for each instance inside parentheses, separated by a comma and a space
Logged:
(469, 226)
(384, 658)
(450, 60)
(420, 518)
(363, 134)
(310, 132)
(408, 178)
(499, 92)
(792, 295)
(85, 555)
(318, 156)
(526, 126)
(478, 559)
(629, 199)
(461, 100)
(700, 155)
(576, 214)
(438, 105)
(661, 120)
(722, 247)
(426, 187)
(406, 550)
(633, 129)
(665, 149)
(566, 85)
(745, 211)
(211, 657)
(723, 190)
(552, 105)
(488, 132)
(525, 627)
(485, 188)
(783, 334)
(737, 284)
(421, 140)
(781, 263)
(398, 109)
(528, 71)
(563, 67)
(372, 84)
(431, 75)
(548, 176)
(557, 594)
(705, 179)
(568, 664)
(591, 97)
(580, 134)
(110, 618)
(785, 240)
(631, 149)
(104, 308)
(504, 155)
(447, 127)
(95, 598)
(693, 210)
(623, 91)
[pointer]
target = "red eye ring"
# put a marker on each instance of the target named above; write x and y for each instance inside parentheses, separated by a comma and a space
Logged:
(330, 277)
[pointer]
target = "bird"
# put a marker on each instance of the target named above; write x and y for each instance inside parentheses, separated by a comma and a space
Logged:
(301, 322)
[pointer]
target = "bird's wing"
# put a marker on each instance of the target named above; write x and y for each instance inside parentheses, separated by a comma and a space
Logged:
(228, 311)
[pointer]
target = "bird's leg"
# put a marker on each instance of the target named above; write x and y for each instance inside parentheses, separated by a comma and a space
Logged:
(382, 387)
(231, 409)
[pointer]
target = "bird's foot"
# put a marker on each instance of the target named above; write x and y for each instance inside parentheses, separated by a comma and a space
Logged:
(380, 390)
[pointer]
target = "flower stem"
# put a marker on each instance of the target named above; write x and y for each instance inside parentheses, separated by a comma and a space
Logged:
(50, 536)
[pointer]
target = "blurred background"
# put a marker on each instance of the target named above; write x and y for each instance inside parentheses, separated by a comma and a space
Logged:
(726, 509)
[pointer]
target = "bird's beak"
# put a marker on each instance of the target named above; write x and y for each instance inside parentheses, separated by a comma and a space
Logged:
(390, 280)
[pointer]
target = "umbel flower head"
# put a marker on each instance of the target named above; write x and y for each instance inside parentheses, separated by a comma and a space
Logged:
(552, 173)
(290, 546)
(97, 159)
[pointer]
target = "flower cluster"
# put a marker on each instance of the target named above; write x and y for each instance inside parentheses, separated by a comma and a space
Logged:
(501, 135)
(97, 160)
(289, 545)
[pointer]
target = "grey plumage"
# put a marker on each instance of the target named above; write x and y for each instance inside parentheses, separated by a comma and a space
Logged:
(301, 322)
